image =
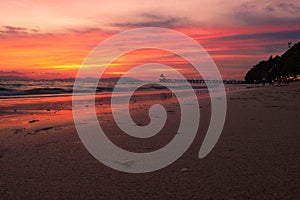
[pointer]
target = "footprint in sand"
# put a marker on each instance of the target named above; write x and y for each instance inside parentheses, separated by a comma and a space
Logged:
(2, 151)
(39, 130)
(19, 130)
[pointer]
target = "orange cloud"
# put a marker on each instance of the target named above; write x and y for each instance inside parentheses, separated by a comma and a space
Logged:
(59, 55)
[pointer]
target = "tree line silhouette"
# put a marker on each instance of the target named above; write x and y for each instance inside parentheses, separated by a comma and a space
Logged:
(282, 68)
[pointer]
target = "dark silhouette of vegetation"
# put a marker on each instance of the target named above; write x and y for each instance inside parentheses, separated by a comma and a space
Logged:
(278, 69)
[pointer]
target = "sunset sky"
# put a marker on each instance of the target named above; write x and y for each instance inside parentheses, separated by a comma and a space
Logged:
(50, 39)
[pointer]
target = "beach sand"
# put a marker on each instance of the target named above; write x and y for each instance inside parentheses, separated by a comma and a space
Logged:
(256, 157)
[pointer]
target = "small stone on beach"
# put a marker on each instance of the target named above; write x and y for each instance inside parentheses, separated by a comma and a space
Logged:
(185, 170)
(33, 121)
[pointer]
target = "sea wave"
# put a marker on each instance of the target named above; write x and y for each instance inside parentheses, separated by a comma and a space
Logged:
(12, 92)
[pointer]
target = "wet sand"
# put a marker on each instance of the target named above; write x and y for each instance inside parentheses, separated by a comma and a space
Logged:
(256, 157)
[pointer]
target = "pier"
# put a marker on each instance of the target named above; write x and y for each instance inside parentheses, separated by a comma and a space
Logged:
(163, 79)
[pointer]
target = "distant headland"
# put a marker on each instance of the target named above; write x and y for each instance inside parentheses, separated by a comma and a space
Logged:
(284, 68)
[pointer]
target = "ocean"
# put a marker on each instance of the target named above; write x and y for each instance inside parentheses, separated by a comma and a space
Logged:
(49, 87)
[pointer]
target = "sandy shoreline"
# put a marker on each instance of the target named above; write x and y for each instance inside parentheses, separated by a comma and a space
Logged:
(257, 156)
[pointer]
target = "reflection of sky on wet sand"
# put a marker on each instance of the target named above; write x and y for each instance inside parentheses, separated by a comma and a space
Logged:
(56, 110)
